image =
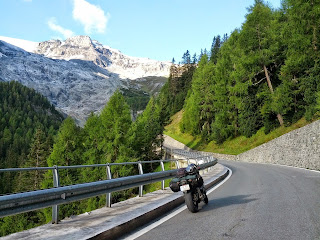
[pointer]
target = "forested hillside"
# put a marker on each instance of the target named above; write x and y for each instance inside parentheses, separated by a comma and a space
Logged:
(265, 75)
(28, 123)
(173, 93)
(109, 137)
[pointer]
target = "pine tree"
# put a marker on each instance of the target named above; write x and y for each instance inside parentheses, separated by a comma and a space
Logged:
(300, 73)
(225, 122)
(116, 122)
(93, 137)
(215, 47)
(67, 151)
(194, 58)
(200, 55)
(259, 43)
(198, 114)
(147, 129)
(186, 59)
(31, 180)
(225, 38)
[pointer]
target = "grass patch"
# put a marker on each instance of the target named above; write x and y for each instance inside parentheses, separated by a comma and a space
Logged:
(231, 146)
(157, 185)
(173, 130)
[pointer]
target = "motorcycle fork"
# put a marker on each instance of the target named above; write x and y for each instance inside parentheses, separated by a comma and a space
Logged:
(200, 194)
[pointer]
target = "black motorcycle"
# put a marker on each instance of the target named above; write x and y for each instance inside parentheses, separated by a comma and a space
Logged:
(189, 181)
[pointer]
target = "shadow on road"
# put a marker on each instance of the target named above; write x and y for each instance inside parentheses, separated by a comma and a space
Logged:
(227, 201)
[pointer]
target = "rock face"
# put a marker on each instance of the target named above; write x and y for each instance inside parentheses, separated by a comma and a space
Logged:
(83, 48)
(78, 75)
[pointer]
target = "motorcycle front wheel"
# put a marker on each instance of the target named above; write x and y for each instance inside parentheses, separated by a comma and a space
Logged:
(191, 202)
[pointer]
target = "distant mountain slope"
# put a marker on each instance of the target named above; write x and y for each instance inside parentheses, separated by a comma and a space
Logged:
(77, 75)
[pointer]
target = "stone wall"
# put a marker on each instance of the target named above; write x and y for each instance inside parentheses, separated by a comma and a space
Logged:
(298, 148)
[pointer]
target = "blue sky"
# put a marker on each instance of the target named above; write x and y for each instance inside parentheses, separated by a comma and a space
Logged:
(156, 29)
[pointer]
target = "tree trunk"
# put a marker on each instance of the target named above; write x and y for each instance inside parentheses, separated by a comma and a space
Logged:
(279, 116)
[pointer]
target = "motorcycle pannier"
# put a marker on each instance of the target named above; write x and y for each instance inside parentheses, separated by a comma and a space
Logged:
(174, 185)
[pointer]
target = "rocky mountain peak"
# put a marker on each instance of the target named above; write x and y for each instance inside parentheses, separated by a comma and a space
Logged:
(83, 48)
(78, 47)
(79, 41)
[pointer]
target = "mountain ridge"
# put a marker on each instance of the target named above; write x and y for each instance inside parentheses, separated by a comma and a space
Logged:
(78, 75)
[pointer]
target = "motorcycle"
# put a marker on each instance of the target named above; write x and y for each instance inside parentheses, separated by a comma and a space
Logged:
(189, 181)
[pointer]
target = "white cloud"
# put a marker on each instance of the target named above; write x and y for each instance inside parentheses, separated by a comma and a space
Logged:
(55, 27)
(90, 16)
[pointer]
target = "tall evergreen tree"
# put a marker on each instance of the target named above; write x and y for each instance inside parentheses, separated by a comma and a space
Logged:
(259, 42)
(194, 58)
(93, 139)
(116, 122)
(39, 151)
(215, 47)
(198, 114)
(300, 73)
(186, 58)
(225, 122)
(67, 151)
(147, 130)
(200, 55)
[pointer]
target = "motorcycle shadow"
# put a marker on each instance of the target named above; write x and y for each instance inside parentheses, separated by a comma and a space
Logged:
(226, 201)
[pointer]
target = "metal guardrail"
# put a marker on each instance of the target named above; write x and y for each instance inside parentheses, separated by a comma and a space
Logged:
(28, 201)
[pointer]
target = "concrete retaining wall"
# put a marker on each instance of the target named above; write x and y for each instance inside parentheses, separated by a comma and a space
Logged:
(169, 142)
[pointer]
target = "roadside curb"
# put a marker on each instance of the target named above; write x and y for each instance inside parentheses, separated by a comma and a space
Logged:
(127, 227)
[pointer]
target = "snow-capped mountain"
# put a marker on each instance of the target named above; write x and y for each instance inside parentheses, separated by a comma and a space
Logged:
(77, 75)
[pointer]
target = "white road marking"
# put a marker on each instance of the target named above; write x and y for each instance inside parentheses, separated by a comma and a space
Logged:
(274, 164)
(171, 215)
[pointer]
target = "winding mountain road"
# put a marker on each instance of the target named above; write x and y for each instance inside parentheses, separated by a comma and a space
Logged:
(259, 201)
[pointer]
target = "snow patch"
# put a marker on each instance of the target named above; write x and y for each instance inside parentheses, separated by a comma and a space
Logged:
(24, 44)
(80, 56)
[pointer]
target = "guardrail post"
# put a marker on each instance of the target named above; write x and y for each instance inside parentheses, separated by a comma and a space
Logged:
(164, 153)
(197, 163)
(177, 163)
(108, 195)
(140, 172)
(162, 167)
(188, 161)
(56, 183)
(207, 160)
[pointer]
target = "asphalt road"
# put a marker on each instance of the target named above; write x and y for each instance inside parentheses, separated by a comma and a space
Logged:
(259, 201)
